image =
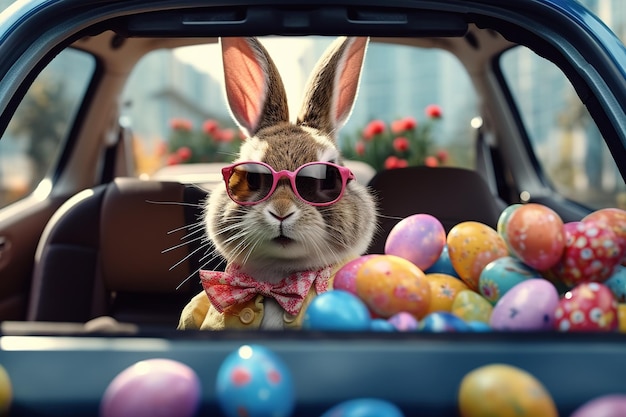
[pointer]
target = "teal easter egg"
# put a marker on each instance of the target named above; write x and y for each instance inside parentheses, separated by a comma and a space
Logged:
(442, 265)
(337, 310)
(502, 274)
(364, 407)
(617, 284)
(419, 238)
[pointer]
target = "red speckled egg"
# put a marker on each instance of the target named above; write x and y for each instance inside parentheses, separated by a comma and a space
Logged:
(389, 285)
(588, 307)
(614, 219)
(535, 235)
(591, 254)
(471, 246)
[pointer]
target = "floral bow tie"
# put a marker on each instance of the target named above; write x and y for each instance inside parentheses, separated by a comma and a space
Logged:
(232, 287)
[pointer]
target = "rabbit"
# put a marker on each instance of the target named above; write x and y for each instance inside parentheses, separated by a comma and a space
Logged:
(283, 234)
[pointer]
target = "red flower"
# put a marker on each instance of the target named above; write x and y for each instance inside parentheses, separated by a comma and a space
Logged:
(393, 162)
(359, 148)
(433, 111)
(431, 161)
(401, 144)
(226, 135)
(179, 123)
(373, 128)
(183, 153)
(409, 123)
(210, 126)
(442, 156)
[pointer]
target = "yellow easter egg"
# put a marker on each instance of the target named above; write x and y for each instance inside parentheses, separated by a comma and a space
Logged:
(389, 284)
(504, 391)
(471, 306)
(443, 290)
(6, 392)
(471, 246)
(621, 316)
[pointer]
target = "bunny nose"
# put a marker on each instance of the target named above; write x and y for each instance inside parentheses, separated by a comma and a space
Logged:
(279, 217)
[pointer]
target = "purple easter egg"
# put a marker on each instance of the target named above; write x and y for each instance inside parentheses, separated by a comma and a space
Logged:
(403, 321)
(613, 405)
(528, 306)
(162, 387)
(419, 238)
(345, 277)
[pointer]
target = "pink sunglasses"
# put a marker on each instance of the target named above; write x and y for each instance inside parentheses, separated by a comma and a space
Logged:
(316, 183)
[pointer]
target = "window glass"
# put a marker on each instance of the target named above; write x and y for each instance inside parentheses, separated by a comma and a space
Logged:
(414, 109)
(563, 136)
(30, 146)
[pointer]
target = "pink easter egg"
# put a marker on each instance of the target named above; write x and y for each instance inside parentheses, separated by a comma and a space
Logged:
(345, 277)
(527, 306)
(591, 254)
(614, 219)
(610, 405)
(420, 238)
(588, 307)
(535, 235)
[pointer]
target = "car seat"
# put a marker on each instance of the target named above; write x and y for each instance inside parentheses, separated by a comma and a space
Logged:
(451, 194)
(108, 252)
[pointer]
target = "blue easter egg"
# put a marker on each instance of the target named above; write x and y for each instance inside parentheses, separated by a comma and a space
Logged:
(442, 322)
(364, 407)
(404, 322)
(502, 274)
(254, 382)
(337, 310)
(478, 326)
(443, 265)
(617, 284)
(381, 325)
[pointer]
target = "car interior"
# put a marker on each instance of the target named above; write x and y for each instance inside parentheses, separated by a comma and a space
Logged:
(96, 237)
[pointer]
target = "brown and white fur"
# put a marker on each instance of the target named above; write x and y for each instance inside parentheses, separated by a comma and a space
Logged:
(283, 234)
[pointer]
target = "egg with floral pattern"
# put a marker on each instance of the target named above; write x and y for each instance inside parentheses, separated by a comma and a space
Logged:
(502, 274)
(587, 307)
(420, 238)
(591, 254)
(471, 306)
(443, 290)
(535, 235)
(503, 219)
(471, 246)
(389, 284)
(615, 220)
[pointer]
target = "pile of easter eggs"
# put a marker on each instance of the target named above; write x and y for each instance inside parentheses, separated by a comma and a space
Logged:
(532, 273)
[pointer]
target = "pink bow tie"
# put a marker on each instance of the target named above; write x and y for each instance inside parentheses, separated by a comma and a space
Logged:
(232, 287)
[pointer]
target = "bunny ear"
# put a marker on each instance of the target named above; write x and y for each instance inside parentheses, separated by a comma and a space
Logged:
(254, 89)
(333, 85)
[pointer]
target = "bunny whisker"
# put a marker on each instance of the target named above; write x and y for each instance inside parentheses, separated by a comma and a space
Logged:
(180, 245)
(196, 225)
(175, 203)
(187, 257)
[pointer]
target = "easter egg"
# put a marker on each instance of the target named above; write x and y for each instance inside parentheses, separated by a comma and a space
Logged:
(472, 245)
(364, 407)
(613, 405)
(253, 381)
(529, 305)
(621, 317)
(615, 220)
(443, 290)
(617, 284)
(336, 310)
(389, 284)
(442, 322)
(504, 219)
(587, 307)
(478, 326)
(381, 325)
(471, 306)
(504, 391)
(403, 322)
(6, 392)
(502, 274)
(591, 254)
(152, 387)
(420, 238)
(442, 265)
(345, 277)
(535, 235)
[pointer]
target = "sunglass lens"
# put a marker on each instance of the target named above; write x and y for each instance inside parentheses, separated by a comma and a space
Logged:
(250, 182)
(319, 183)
